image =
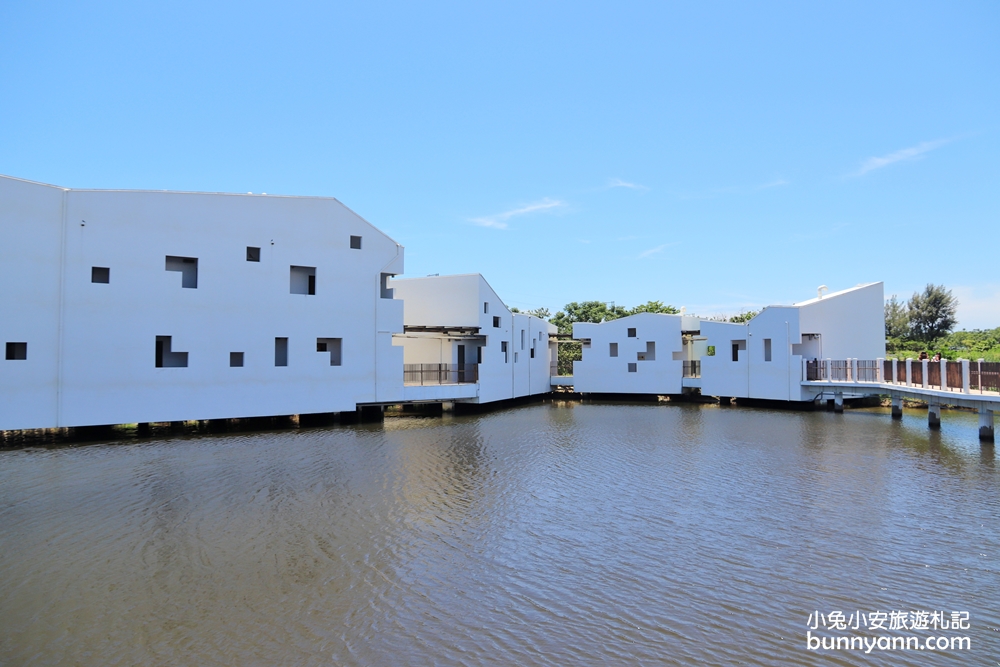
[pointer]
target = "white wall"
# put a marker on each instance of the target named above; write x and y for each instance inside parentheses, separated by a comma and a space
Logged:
(720, 375)
(852, 322)
(599, 372)
(109, 330)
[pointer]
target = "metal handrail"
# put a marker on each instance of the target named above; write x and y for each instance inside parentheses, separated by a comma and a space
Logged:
(433, 374)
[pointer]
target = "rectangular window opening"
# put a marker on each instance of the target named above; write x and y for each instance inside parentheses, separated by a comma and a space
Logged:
(332, 346)
(236, 360)
(503, 348)
(515, 357)
(496, 321)
(165, 355)
(522, 339)
(767, 349)
(532, 352)
(187, 267)
(631, 332)
(253, 254)
(479, 355)
(737, 346)
(280, 351)
(302, 280)
(486, 307)
(632, 367)
(385, 291)
(710, 351)
(613, 349)
(100, 274)
(649, 354)
(355, 243)
(17, 351)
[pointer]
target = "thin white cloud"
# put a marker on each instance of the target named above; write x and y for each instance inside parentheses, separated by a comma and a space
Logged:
(584, 240)
(776, 183)
(619, 183)
(911, 153)
(653, 251)
(499, 221)
(735, 190)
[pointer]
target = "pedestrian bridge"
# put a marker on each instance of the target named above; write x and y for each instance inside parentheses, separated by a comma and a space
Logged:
(964, 383)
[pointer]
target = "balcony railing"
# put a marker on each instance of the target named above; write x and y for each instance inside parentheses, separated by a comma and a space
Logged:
(424, 374)
(692, 369)
(957, 376)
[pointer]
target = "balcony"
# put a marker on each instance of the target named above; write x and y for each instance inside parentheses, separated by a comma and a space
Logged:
(437, 374)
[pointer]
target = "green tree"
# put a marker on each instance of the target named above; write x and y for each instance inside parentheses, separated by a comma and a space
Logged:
(654, 307)
(932, 313)
(744, 316)
(897, 319)
(586, 311)
(539, 312)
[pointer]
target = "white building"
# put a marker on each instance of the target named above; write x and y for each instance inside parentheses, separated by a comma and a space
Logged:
(458, 326)
(762, 359)
(152, 306)
(146, 306)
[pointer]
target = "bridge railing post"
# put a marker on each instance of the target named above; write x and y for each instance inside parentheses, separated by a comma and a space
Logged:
(966, 384)
(827, 375)
(880, 370)
(909, 371)
(944, 374)
(854, 370)
(923, 371)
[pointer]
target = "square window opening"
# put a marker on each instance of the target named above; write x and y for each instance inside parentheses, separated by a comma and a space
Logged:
(332, 346)
(17, 351)
(632, 367)
(496, 321)
(355, 243)
(187, 267)
(166, 357)
(631, 332)
(236, 360)
(737, 346)
(302, 280)
(100, 274)
(253, 254)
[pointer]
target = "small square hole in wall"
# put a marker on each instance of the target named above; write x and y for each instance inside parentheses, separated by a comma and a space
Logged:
(355, 243)
(303, 280)
(631, 332)
(632, 367)
(236, 359)
(17, 351)
(333, 347)
(253, 254)
(187, 267)
(100, 274)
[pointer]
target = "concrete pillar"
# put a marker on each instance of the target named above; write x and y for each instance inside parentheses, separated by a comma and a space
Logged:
(880, 370)
(944, 373)
(895, 370)
(143, 429)
(923, 371)
(897, 406)
(371, 413)
(934, 415)
(966, 385)
(985, 425)
(909, 363)
(854, 370)
(827, 368)
(838, 401)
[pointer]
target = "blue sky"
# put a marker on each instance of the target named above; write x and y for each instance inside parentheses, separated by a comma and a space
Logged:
(717, 156)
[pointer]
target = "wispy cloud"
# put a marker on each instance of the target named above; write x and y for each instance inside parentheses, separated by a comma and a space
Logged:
(776, 183)
(654, 251)
(735, 190)
(911, 153)
(499, 221)
(619, 183)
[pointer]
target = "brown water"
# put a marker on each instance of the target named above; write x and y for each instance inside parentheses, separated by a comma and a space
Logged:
(554, 534)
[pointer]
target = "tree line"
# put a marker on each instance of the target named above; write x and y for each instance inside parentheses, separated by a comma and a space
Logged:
(926, 323)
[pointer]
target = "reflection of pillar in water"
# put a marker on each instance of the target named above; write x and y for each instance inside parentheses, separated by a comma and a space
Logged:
(985, 424)
(838, 401)
(934, 415)
(897, 406)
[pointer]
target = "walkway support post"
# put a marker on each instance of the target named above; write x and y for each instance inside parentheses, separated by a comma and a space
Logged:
(909, 373)
(923, 371)
(934, 415)
(838, 401)
(897, 406)
(985, 424)
(965, 376)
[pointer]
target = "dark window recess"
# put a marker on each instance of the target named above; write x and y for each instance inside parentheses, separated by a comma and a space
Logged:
(384, 290)
(302, 280)
(166, 357)
(613, 349)
(187, 267)
(100, 274)
(236, 359)
(486, 307)
(496, 322)
(332, 346)
(737, 346)
(479, 355)
(767, 349)
(532, 351)
(631, 332)
(632, 367)
(355, 243)
(503, 348)
(253, 254)
(280, 351)
(17, 351)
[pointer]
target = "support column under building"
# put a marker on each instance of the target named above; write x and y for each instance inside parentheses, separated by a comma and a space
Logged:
(985, 425)
(838, 401)
(897, 406)
(934, 415)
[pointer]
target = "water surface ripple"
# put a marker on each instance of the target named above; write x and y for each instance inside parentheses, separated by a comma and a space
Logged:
(553, 534)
